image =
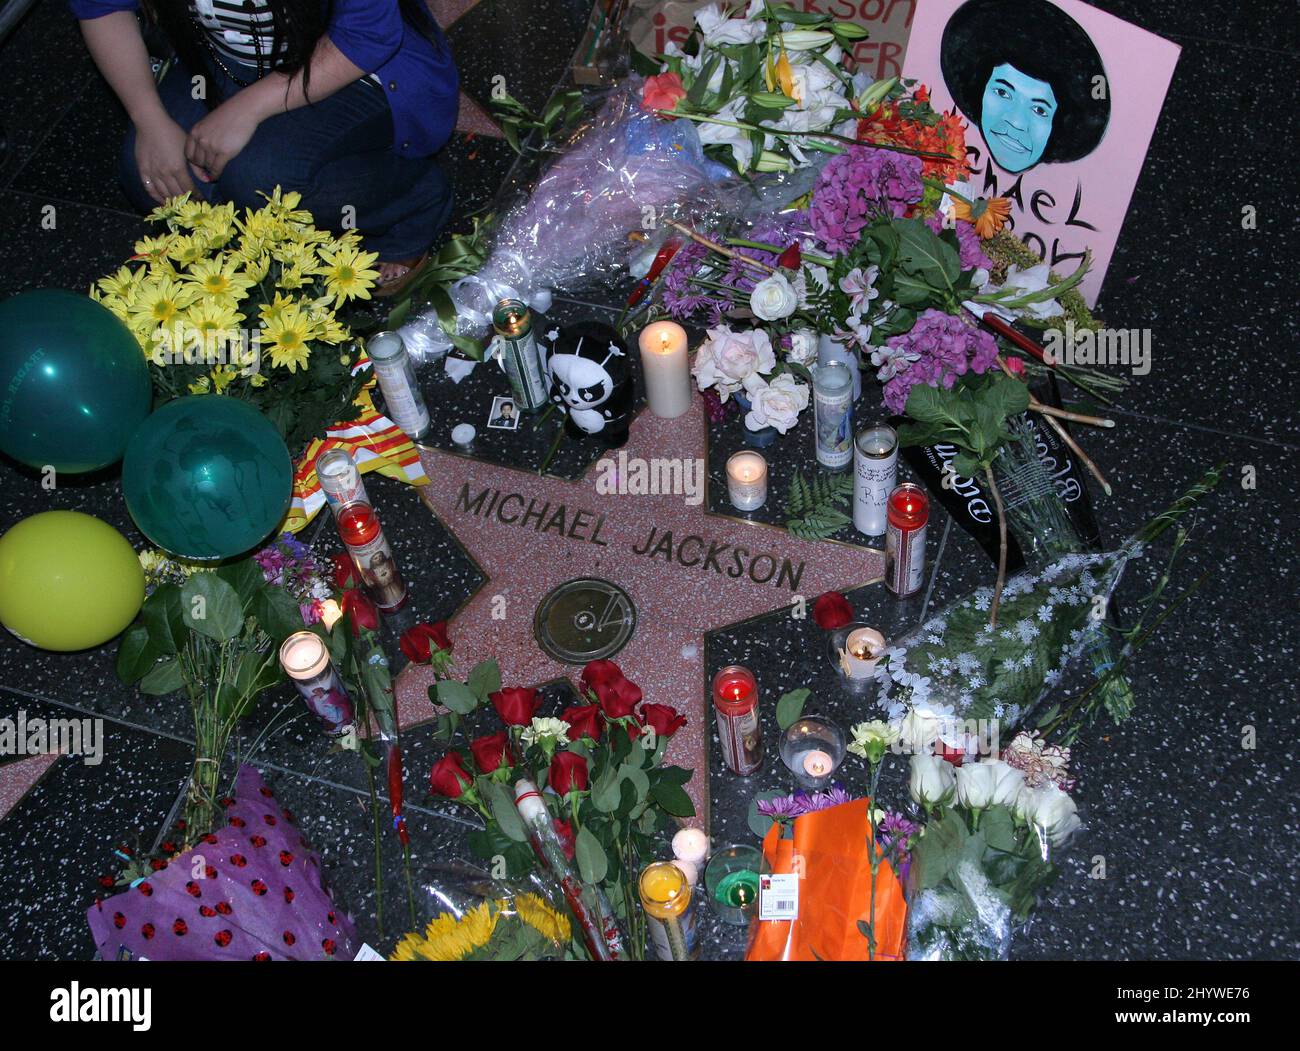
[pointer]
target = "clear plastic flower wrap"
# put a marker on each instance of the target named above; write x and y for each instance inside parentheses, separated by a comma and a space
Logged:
(624, 172)
(967, 683)
(469, 916)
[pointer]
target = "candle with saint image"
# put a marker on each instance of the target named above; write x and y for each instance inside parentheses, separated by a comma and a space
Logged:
(747, 481)
(667, 368)
(306, 661)
(735, 704)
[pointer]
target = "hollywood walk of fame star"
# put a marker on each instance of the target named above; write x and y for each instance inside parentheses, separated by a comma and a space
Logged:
(678, 592)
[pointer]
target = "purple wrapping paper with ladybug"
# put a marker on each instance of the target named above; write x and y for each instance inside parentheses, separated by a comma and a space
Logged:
(250, 890)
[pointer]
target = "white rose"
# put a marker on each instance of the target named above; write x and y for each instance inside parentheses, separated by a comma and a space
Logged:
(718, 29)
(931, 782)
(923, 726)
(1051, 810)
(776, 404)
(803, 347)
(727, 359)
(773, 298)
(986, 784)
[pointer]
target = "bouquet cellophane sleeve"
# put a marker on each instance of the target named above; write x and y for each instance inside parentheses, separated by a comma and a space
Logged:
(830, 847)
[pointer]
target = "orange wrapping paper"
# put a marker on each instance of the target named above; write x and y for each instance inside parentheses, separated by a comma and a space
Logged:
(834, 893)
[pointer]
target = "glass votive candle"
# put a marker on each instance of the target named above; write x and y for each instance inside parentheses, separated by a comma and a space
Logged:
(747, 481)
(813, 749)
(735, 710)
(855, 650)
(731, 883)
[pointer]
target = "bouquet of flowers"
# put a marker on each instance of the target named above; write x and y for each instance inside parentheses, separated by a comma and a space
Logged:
(216, 633)
(514, 924)
(766, 88)
(985, 853)
(252, 305)
(599, 767)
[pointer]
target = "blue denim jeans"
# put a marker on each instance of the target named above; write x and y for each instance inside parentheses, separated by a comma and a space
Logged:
(336, 152)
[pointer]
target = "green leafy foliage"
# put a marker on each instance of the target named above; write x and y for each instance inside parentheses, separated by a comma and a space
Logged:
(790, 707)
(973, 415)
(813, 508)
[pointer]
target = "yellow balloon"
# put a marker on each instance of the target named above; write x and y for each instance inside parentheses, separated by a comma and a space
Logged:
(68, 581)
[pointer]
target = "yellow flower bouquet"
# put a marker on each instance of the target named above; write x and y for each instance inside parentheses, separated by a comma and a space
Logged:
(522, 927)
(252, 305)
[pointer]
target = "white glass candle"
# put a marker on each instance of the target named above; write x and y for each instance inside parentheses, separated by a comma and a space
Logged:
(747, 481)
(667, 368)
(862, 649)
(306, 661)
(691, 845)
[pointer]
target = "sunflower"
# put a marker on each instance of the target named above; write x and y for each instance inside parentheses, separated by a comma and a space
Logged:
(347, 272)
(289, 331)
(538, 914)
(448, 938)
(988, 214)
(220, 278)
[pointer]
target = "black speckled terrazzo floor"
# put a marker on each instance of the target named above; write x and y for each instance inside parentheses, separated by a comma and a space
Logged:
(1197, 833)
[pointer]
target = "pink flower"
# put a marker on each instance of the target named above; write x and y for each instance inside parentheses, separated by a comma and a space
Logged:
(662, 92)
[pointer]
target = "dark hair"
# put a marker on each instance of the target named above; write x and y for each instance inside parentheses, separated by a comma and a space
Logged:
(297, 26)
(1043, 42)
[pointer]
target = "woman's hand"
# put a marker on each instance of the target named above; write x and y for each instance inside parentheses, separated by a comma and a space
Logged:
(160, 158)
(219, 136)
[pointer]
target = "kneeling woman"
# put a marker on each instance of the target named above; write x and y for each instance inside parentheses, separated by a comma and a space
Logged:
(345, 101)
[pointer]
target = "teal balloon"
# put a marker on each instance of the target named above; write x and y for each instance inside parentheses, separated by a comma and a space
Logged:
(207, 477)
(74, 383)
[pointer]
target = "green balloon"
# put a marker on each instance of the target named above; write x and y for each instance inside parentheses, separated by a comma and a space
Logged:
(207, 477)
(74, 383)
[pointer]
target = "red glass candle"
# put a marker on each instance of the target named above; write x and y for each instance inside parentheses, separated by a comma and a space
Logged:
(735, 704)
(909, 512)
(370, 552)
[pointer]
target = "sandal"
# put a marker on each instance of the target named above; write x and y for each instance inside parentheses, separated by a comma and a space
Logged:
(397, 285)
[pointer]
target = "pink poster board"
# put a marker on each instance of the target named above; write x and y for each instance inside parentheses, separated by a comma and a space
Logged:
(1061, 101)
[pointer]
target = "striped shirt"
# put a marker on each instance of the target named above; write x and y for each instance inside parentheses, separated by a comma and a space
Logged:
(241, 29)
(237, 28)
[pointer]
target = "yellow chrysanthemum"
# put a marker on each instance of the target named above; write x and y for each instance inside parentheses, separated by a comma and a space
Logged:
(347, 272)
(293, 278)
(538, 914)
(258, 267)
(289, 332)
(285, 206)
(222, 377)
(152, 248)
(211, 324)
(180, 207)
(187, 249)
(122, 284)
(160, 300)
(200, 385)
(273, 309)
(221, 278)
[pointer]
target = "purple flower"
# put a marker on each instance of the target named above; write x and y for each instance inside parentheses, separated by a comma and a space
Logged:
(969, 245)
(945, 347)
(782, 808)
(833, 796)
(857, 186)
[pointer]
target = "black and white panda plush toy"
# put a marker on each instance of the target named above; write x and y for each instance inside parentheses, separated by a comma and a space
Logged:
(591, 381)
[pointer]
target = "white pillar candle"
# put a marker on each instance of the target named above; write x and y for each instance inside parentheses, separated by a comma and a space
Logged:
(667, 368)
(691, 845)
(747, 481)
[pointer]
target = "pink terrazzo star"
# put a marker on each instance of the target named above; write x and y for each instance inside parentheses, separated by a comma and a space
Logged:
(20, 777)
(675, 603)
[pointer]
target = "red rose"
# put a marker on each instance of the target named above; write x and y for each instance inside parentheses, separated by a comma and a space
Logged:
(1015, 365)
(664, 720)
(584, 721)
(951, 755)
(516, 704)
(492, 752)
(831, 611)
(662, 91)
(419, 642)
(791, 258)
(360, 611)
(565, 831)
(568, 773)
(449, 777)
(617, 695)
(344, 572)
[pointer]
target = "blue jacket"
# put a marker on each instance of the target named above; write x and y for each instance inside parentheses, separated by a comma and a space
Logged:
(421, 81)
